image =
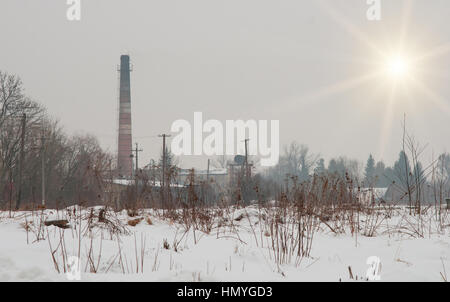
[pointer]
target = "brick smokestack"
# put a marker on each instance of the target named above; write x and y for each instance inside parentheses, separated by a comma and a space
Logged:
(124, 160)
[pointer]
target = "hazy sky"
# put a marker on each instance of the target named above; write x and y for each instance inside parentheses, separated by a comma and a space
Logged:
(309, 64)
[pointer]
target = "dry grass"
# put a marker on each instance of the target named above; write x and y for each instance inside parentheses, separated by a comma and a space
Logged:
(285, 229)
(134, 222)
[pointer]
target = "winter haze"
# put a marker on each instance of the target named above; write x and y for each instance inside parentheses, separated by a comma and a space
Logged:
(302, 62)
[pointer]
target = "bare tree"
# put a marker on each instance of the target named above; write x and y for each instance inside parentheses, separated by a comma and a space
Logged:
(31, 143)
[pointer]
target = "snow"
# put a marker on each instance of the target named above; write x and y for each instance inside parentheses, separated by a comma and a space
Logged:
(217, 256)
(130, 182)
(186, 172)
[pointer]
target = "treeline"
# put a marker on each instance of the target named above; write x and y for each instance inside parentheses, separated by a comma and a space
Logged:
(407, 180)
(38, 161)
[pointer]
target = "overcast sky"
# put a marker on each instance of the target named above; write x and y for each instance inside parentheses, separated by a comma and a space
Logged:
(304, 63)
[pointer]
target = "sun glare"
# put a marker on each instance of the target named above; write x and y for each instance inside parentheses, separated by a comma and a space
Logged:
(398, 66)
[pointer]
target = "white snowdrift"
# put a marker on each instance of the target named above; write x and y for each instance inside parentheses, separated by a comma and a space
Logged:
(215, 256)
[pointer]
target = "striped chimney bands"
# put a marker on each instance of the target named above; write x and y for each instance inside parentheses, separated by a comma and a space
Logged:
(124, 160)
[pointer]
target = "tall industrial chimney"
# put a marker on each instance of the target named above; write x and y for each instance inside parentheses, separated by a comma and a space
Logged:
(124, 159)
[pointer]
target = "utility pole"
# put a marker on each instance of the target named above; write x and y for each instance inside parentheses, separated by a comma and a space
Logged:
(207, 171)
(244, 176)
(247, 171)
(136, 151)
(21, 159)
(136, 173)
(207, 182)
(10, 187)
(164, 158)
(164, 163)
(43, 168)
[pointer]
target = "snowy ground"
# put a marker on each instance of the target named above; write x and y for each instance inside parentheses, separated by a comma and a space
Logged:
(240, 255)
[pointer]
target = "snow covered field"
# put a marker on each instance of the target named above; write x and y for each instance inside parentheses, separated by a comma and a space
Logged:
(240, 247)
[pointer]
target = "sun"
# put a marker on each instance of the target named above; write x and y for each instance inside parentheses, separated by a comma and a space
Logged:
(398, 66)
